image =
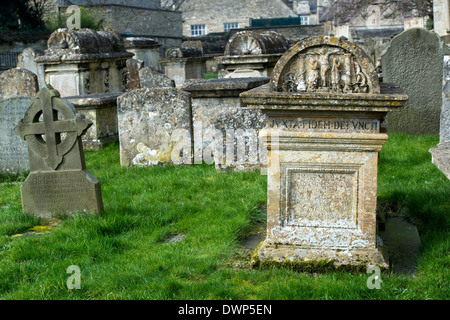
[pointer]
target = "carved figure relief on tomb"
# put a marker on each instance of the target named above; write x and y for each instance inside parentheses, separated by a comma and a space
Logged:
(325, 68)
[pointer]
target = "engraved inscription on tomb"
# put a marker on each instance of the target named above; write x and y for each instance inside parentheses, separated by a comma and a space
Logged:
(323, 124)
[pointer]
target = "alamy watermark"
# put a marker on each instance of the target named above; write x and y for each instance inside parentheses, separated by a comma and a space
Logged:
(374, 281)
(74, 281)
(73, 21)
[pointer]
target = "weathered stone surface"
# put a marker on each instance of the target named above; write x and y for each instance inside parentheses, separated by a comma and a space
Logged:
(26, 60)
(256, 53)
(253, 43)
(85, 62)
(325, 64)
(58, 182)
(225, 132)
(184, 69)
(323, 149)
(441, 154)
(444, 132)
(414, 61)
(184, 52)
(440, 157)
(151, 78)
(155, 127)
(193, 44)
(144, 49)
(133, 67)
(13, 151)
(101, 109)
(18, 82)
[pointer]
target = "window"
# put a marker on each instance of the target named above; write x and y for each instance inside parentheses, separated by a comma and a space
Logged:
(198, 30)
(230, 25)
(304, 20)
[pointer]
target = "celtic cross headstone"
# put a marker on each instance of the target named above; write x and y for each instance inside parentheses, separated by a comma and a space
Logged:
(58, 182)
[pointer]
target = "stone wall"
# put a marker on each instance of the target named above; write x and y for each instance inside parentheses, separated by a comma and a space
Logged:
(222, 11)
(162, 25)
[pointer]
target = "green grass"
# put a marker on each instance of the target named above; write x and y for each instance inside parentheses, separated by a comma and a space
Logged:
(122, 253)
(211, 76)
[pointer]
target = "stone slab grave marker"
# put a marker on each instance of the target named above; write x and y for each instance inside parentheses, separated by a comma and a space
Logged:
(58, 182)
(151, 78)
(325, 108)
(155, 127)
(414, 61)
(18, 82)
(441, 154)
(13, 151)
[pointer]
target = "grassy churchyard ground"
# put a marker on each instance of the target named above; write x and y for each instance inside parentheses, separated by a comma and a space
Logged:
(176, 232)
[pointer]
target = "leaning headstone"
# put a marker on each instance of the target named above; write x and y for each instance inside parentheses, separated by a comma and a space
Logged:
(13, 151)
(18, 82)
(155, 127)
(58, 183)
(133, 66)
(414, 61)
(151, 78)
(441, 154)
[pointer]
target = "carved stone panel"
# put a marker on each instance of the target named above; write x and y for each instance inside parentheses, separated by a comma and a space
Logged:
(253, 43)
(325, 64)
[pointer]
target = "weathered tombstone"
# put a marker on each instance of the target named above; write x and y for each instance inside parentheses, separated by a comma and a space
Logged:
(151, 78)
(85, 62)
(184, 64)
(325, 108)
(225, 132)
(414, 61)
(13, 151)
(18, 82)
(58, 183)
(155, 127)
(441, 154)
(256, 53)
(133, 67)
(144, 49)
(26, 60)
(101, 109)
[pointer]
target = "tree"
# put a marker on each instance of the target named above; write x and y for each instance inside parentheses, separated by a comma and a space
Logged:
(342, 11)
(22, 15)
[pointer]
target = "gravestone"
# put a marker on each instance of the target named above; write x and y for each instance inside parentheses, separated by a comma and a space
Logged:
(155, 127)
(26, 60)
(13, 151)
(325, 108)
(18, 82)
(225, 132)
(414, 61)
(441, 154)
(133, 67)
(151, 78)
(58, 183)
(184, 64)
(144, 49)
(81, 62)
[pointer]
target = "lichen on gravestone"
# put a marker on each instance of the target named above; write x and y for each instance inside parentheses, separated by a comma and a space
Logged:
(58, 183)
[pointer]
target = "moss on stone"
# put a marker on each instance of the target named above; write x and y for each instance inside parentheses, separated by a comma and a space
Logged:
(319, 266)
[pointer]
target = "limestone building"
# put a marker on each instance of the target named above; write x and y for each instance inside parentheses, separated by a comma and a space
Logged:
(201, 17)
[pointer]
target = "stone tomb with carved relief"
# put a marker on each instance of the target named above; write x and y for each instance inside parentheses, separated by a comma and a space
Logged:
(325, 110)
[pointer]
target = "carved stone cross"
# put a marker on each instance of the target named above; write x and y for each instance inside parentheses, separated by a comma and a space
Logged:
(58, 183)
(60, 134)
